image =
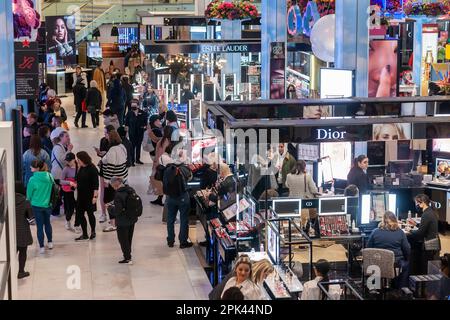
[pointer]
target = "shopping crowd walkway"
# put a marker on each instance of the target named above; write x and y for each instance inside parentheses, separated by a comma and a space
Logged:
(158, 272)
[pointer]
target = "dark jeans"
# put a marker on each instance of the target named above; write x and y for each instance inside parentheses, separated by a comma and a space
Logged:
(69, 205)
(42, 216)
(182, 204)
(136, 146)
(83, 118)
(95, 117)
(81, 219)
(22, 258)
(125, 236)
(120, 115)
(402, 279)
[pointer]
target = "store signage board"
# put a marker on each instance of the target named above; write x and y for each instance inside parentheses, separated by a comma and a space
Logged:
(203, 48)
(26, 62)
(298, 24)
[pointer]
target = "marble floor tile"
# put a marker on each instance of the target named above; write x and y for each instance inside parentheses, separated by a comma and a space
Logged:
(158, 272)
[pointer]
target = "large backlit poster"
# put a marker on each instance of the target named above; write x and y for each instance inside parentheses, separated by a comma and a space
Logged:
(383, 62)
(61, 38)
(277, 70)
(391, 131)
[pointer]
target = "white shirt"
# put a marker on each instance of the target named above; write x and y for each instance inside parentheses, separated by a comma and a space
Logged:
(248, 289)
(311, 290)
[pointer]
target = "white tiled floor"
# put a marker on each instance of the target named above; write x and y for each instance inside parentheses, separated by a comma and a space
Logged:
(158, 272)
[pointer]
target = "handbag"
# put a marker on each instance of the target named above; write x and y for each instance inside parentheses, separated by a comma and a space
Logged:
(83, 106)
(91, 109)
(147, 146)
(54, 195)
(159, 174)
(432, 245)
(68, 187)
(65, 126)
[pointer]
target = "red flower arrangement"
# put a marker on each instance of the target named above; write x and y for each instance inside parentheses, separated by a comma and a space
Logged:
(429, 9)
(326, 7)
(235, 10)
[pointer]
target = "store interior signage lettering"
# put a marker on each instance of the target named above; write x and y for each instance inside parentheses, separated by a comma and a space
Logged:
(298, 24)
(224, 48)
(328, 134)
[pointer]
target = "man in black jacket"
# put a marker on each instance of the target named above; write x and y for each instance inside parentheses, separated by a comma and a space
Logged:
(124, 223)
(136, 121)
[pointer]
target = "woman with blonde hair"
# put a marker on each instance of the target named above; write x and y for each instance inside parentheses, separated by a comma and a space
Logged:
(388, 131)
(242, 278)
(94, 102)
(389, 236)
(260, 270)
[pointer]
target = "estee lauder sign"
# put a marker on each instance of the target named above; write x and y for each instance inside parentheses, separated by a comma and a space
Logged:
(186, 48)
(224, 48)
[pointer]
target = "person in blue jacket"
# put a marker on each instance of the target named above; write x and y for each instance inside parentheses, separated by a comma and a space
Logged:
(391, 237)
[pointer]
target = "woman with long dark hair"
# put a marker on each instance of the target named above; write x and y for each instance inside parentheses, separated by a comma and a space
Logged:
(35, 152)
(87, 184)
(358, 174)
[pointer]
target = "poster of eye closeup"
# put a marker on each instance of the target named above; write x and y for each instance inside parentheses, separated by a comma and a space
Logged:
(61, 39)
(383, 62)
(391, 131)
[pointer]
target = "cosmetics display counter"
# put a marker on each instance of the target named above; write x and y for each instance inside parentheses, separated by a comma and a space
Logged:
(62, 79)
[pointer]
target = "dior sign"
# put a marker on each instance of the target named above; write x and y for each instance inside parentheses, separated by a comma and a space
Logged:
(328, 134)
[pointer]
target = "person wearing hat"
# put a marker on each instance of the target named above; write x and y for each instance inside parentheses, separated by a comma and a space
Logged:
(61, 146)
(68, 185)
(79, 96)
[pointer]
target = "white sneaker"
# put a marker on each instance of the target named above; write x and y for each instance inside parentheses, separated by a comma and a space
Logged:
(102, 218)
(109, 229)
(67, 225)
(50, 245)
(42, 250)
(78, 230)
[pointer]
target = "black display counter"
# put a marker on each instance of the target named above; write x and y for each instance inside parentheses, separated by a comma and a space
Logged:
(62, 80)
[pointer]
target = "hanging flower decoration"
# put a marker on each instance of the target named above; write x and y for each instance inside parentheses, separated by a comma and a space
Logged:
(434, 9)
(235, 10)
(26, 18)
(326, 7)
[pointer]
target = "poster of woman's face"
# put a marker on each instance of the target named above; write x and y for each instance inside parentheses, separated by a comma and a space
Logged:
(383, 61)
(391, 131)
(61, 39)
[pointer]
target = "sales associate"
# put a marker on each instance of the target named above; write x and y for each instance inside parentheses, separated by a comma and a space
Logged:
(425, 240)
(358, 174)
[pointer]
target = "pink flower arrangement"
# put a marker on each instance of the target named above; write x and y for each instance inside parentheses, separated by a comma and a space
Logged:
(26, 18)
(235, 10)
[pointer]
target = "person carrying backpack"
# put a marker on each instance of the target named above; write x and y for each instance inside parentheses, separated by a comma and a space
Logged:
(127, 209)
(175, 179)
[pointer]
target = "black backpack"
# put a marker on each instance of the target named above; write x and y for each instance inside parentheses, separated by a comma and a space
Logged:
(133, 207)
(174, 181)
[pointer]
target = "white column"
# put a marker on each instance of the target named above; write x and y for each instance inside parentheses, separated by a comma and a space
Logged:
(7, 78)
(273, 29)
(6, 142)
(232, 30)
(352, 40)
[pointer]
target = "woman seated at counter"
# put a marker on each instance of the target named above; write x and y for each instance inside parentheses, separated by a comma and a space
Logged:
(311, 290)
(390, 236)
(242, 278)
